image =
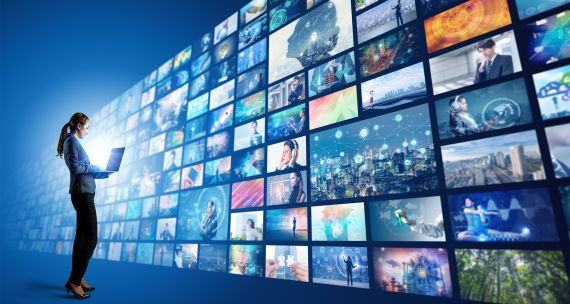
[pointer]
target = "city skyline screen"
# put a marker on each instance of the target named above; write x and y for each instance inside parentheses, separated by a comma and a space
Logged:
(304, 140)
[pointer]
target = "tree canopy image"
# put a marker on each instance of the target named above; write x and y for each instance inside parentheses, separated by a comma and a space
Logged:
(512, 276)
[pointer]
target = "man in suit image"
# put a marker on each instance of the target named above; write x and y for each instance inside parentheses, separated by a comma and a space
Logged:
(492, 65)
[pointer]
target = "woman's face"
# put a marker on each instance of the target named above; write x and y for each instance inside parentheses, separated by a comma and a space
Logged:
(468, 202)
(463, 103)
(286, 155)
(293, 179)
(83, 130)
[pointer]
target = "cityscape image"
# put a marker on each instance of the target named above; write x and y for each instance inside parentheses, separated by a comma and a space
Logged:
(497, 160)
(396, 88)
(389, 154)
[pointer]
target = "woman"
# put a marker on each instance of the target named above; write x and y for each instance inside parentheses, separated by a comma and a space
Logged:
(461, 122)
(477, 221)
(289, 156)
(297, 193)
(251, 234)
(82, 190)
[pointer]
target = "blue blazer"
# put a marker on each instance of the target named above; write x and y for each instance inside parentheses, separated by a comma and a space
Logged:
(82, 174)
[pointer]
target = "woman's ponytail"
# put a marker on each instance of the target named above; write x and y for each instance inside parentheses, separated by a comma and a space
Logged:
(75, 120)
(62, 137)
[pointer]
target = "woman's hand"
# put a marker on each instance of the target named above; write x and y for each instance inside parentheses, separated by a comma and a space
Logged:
(294, 156)
(301, 271)
(101, 175)
(271, 267)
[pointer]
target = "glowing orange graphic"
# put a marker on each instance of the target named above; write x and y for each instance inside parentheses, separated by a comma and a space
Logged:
(465, 21)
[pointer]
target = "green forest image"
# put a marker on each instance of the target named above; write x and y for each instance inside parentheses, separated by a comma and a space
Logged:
(512, 276)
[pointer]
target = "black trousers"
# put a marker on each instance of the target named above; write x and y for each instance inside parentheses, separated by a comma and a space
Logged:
(85, 234)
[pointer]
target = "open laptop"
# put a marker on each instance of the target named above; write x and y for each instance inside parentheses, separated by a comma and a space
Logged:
(115, 159)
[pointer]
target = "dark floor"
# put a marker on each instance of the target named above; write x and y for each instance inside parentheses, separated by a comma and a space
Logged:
(30, 277)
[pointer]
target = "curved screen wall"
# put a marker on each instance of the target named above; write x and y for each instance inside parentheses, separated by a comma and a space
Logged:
(399, 146)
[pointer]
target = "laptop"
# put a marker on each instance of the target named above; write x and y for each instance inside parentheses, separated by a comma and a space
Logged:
(115, 159)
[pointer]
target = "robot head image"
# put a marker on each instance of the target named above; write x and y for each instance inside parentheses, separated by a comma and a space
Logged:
(314, 36)
(321, 33)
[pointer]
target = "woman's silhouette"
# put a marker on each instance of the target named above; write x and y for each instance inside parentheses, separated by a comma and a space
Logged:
(82, 189)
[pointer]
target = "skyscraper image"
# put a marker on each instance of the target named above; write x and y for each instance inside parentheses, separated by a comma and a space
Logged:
(518, 162)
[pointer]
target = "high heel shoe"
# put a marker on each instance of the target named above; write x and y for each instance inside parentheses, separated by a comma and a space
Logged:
(87, 289)
(68, 288)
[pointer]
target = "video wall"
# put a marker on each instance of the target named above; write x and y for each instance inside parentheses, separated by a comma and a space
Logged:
(402, 146)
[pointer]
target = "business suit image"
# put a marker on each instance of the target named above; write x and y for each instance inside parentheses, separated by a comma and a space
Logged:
(492, 65)
(82, 175)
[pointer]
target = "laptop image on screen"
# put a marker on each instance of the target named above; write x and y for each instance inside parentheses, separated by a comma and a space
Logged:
(115, 159)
